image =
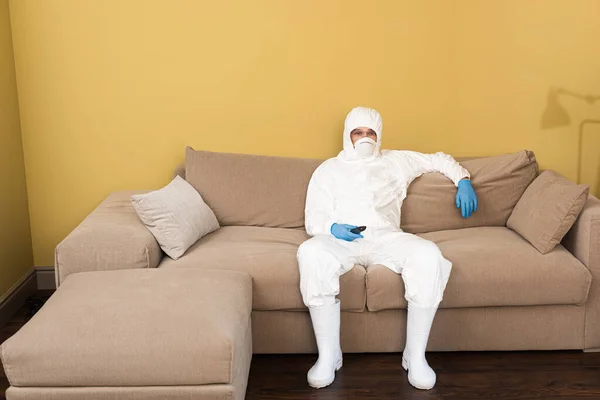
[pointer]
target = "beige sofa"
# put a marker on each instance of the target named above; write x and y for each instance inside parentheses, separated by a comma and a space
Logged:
(502, 294)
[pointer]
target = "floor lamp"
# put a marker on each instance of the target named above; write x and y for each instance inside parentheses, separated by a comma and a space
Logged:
(555, 116)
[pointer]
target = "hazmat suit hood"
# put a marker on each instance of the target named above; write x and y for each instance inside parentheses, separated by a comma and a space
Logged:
(361, 117)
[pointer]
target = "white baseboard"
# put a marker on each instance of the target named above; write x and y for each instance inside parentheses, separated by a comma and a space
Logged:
(15, 298)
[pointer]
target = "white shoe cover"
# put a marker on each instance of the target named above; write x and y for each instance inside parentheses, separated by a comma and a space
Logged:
(418, 326)
(326, 324)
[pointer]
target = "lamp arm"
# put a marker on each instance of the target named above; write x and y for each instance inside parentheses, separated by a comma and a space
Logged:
(589, 98)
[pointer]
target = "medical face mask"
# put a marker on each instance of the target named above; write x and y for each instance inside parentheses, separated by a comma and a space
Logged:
(364, 147)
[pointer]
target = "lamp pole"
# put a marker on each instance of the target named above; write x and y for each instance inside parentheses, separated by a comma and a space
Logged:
(580, 151)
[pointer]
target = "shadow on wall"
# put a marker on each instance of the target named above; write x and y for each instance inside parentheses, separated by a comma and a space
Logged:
(555, 115)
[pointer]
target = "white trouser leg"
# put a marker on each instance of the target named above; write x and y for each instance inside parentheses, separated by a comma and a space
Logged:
(326, 324)
(425, 273)
(424, 269)
(322, 260)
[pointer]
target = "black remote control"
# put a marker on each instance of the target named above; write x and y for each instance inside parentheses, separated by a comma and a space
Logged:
(358, 229)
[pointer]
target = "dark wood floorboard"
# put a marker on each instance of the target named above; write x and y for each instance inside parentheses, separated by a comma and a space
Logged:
(466, 375)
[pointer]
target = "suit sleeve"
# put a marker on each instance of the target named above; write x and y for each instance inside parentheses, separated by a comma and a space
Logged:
(418, 164)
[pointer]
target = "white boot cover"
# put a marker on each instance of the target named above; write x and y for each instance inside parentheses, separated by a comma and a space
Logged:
(418, 326)
(326, 324)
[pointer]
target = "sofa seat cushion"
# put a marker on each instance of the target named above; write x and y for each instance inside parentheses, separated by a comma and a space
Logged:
(492, 266)
(127, 328)
(269, 256)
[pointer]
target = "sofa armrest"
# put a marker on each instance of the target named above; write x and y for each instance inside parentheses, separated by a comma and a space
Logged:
(111, 237)
(583, 241)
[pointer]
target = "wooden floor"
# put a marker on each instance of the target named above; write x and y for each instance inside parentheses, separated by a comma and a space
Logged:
(476, 375)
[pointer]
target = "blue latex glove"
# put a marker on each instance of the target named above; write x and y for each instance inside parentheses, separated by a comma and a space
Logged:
(342, 231)
(466, 199)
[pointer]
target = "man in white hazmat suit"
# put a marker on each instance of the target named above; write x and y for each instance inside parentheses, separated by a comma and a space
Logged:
(364, 186)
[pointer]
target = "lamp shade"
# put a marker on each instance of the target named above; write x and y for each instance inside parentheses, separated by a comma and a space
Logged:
(554, 115)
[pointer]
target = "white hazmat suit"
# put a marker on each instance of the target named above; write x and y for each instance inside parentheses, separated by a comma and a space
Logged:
(366, 186)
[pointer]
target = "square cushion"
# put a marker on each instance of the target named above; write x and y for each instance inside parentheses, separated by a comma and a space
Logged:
(548, 209)
(251, 190)
(144, 327)
(176, 215)
(492, 267)
(269, 256)
(499, 182)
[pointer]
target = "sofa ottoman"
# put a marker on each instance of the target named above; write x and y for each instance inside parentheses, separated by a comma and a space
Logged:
(136, 334)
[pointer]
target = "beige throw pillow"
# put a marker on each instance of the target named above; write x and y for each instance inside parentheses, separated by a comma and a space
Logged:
(547, 210)
(176, 215)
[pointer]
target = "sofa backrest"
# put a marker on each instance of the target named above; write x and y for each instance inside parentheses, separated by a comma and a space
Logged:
(250, 190)
(499, 183)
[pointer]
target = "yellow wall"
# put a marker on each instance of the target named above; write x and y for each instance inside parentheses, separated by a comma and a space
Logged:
(16, 257)
(111, 91)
